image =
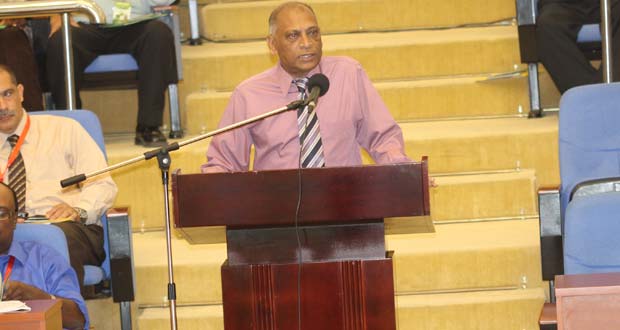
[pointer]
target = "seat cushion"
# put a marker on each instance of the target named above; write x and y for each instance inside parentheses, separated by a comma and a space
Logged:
(592, 234)
(589, 33)
(112, 63)
(93, 275)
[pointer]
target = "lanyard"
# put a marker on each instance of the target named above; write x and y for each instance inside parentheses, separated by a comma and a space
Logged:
(8, 270)
(16, 149)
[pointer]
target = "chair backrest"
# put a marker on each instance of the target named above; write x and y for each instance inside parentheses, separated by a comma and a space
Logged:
(589, 135)
(86, 118)
(90, 122)
(51, 236)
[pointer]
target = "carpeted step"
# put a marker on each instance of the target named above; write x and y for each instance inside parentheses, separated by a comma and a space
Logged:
(478, 196)
(485, 310)
(196, 270)
(465, 256)
(452, 147)
(468, 256)
(456, 97)
(487, 144)
(492, 310)
(385, 56)
(188, 318)
(248, 20)
(105, 314)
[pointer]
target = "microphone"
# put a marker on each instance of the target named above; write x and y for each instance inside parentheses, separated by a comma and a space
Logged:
(318, 85)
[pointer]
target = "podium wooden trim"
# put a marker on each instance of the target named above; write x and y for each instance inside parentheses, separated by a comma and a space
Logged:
(344, 279)
(588, 301)
(44, 315)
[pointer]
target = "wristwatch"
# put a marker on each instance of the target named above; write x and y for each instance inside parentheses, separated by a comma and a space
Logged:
(82, 213)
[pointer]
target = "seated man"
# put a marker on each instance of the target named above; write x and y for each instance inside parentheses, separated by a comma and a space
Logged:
(350, 115)
(150, 42)
(34, 271)
(39, 151)
(16, 52)
(557, 26)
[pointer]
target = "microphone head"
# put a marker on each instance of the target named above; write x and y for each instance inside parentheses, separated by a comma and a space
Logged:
(319, 80)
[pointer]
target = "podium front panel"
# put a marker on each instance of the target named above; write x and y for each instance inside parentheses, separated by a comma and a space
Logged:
(318, 243)
(328, 195)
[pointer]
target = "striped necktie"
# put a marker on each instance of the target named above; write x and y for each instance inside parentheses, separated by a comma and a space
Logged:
(17, 176)
(309, 132)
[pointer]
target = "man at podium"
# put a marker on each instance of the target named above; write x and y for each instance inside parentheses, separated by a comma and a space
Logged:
(349, 116)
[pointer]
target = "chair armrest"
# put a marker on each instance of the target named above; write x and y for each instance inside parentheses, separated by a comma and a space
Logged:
(120, 254)
(551, 250)
(526, 27)
(548, 317)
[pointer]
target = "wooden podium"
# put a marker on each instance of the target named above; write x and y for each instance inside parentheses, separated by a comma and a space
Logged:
(588, 301)
(44, 315)
(344, 279)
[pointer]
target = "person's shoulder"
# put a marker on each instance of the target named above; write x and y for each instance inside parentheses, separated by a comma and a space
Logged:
(266, 77)
(54, 120)
(340, 63)
(40, 254)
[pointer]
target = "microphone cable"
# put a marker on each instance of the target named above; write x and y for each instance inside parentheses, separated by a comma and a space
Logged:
(296, 224)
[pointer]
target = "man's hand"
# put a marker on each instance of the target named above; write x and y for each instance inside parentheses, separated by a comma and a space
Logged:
(16, 290)
(63, 211)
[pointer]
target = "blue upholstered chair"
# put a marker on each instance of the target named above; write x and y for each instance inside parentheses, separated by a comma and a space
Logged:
(589, 39)
(590, 173)
(53, 236)
(579, 223)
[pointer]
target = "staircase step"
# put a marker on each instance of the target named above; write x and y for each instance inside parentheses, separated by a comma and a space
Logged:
(487, 145)
(452, 258)
(468, 96)
(484, 196)
(485, 310)
(248, 20)
(188, 317)
(452, 147)
(502, 309)
(222, 66)
(467, 256)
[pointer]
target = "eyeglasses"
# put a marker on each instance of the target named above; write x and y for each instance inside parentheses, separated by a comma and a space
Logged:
(6, 213)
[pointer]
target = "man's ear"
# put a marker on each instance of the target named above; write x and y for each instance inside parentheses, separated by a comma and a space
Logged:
(271, 44)
(20, 90)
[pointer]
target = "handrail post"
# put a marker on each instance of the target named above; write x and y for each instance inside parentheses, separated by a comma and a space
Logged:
(607, 64)
(68, 57)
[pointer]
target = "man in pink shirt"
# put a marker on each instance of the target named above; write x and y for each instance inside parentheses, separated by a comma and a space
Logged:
(351, 115)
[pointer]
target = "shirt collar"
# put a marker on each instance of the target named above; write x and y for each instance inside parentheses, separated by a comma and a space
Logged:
(18, 130)
(285, 80)
(16, 250)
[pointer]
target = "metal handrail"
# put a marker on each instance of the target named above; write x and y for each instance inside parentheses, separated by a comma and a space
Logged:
(608, 64)
(39, 8)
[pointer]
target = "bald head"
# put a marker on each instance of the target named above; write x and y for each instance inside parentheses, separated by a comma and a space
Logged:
(273, 18)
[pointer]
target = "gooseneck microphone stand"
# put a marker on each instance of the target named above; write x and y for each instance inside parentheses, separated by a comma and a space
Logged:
(163, 159)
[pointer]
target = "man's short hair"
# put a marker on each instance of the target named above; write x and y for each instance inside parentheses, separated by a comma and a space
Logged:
(274, 14)
(10, 72)
(9, 188)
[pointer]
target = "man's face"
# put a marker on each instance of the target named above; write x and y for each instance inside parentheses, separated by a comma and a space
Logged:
(8, 219)
(11, 97)
(297, 41)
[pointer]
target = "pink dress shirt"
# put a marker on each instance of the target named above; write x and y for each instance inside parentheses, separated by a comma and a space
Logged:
(351, 115)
